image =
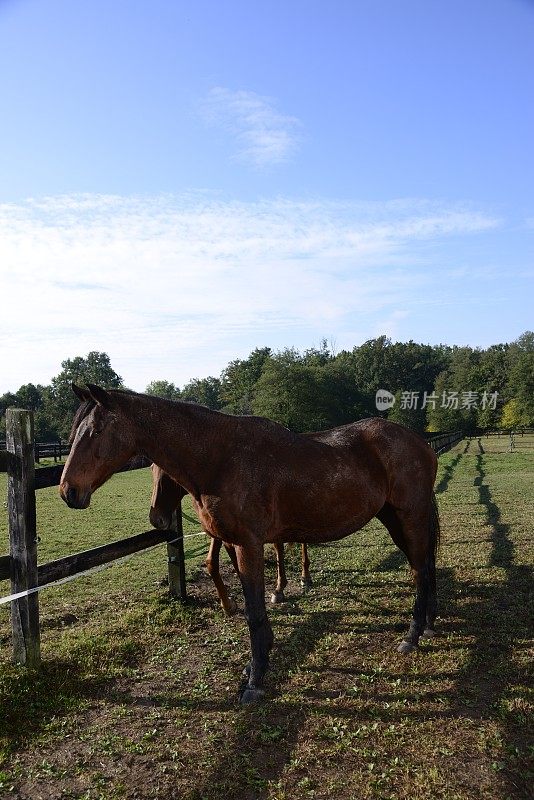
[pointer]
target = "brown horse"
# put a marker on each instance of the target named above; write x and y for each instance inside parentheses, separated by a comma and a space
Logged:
(166, 498)
(253, 481)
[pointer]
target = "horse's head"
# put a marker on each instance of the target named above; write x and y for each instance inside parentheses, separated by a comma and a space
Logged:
(102, 442)
(166, 496)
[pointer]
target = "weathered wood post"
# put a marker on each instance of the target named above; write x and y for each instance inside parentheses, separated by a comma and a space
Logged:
(22, 535)
(175, 553)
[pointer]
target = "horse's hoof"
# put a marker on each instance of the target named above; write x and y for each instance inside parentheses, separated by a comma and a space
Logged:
(406, 647)
(230, 608)
(429, 633)
(249, 696)
(277, 597)
(306, 583)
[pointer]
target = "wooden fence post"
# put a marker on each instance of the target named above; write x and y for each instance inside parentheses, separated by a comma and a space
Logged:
(175, 553)
(22, 536)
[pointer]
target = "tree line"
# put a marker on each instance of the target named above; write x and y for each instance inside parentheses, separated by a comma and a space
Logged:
(430, 388)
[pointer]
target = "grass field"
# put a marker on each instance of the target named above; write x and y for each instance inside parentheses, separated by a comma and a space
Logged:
(137, 694)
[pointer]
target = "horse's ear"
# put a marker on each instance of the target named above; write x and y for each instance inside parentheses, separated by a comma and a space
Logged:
(100, 396)
(81, 394)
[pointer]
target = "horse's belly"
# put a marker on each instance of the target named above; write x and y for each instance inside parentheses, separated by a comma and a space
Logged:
(332, 495)
(329, 523)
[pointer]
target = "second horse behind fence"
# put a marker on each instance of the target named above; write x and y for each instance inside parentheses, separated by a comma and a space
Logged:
(167, 496)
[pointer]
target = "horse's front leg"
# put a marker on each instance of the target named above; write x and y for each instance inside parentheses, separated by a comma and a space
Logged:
(212, 564)
(250, 562)
(281, 579)
(306, 581)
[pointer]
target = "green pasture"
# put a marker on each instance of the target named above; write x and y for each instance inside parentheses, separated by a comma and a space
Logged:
(136, 697)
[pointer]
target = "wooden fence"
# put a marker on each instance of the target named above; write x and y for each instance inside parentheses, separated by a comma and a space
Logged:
(519, 431)
(21, 567)
(442, 442)
(55, 450)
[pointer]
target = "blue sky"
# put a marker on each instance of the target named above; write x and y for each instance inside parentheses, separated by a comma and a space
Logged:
(181, 182)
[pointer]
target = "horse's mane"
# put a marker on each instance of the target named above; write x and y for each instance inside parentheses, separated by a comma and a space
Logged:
(85, 408)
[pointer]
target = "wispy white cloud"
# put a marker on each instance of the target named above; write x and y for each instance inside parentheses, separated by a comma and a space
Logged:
(263, 135)
(177, 286)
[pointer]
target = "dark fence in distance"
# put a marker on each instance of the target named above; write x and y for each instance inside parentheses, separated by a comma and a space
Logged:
(519, 431)
(442, 442)
(55, 450)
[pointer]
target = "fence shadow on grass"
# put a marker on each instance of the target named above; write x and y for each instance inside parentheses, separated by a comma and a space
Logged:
(497, 617)
(448, 472)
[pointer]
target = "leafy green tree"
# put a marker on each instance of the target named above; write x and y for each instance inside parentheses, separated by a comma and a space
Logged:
(239, 379)
(7, 400)
(396, 367)
(163, 389)
(341, 399)
(206, 391)
(287, 393)
(521, 383)
(408, 412)
(59, 400)
(443, 414)
(491, 377)
(306, 396)
(33, 398)
(370, 367)
(511, 414)
(30, 396)
(318, 356)
(458, 390)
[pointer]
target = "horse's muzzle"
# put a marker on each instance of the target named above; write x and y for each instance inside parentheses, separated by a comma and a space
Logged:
(160, 521)
(73, 498)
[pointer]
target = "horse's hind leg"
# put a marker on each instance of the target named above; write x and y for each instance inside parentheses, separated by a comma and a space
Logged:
(388, 516)
(281, 579)
(306, 580)
(410, 534)
(212, 564)
(420, 549)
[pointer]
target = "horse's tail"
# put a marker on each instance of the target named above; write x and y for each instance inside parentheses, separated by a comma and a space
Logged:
(435, 529)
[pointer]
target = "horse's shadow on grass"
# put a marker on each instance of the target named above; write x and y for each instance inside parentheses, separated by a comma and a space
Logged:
(258, 747)
(253, 761)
